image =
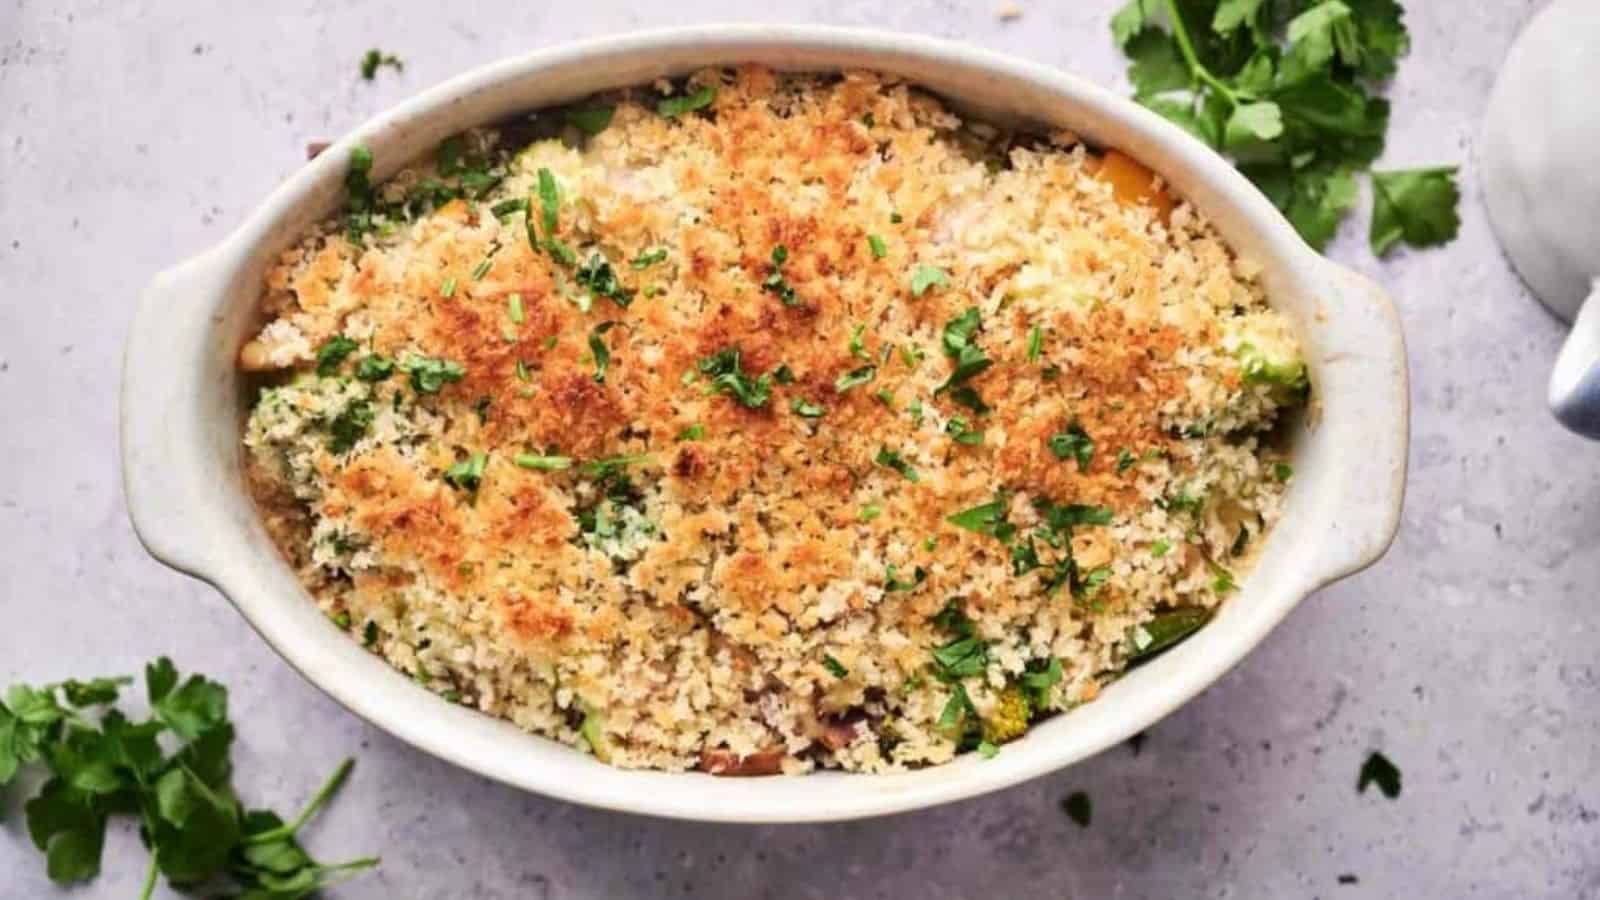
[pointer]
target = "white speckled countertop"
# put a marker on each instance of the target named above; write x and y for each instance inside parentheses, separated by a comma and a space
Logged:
(134, 134)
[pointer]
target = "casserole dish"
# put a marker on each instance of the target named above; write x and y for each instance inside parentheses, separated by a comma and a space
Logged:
(183, 400)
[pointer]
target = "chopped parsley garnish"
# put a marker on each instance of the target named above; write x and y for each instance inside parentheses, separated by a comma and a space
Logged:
(549, 201)
(1160, 548)
(430, 374)
(1282, 471)
(1182, 501)
(858, 347)
(1078, 808)
(599, 278)
(333, 353)
(728, 378)
(970, 359)
(1163, 632)
(892, 584)
(962, 433)
(877, 246)
(646, 259)
(590, 120)
(507, 207)
(673, 107)
(514, 309)
(613, 465)
(1289, 92)
(374, 367)
(482, 408)
(803, 407)
(171, 773)
(369, 634)
(916, 411)
(1125, 460)
(884, 396)
(1380, 771)
(925, 277)
(895, 218)
(350, 426)
(964, 657)
(775, 283)
(890, 459)
(870, 511)
(783, 374)
(447, 289)
(1074, 443)
(985, 518)
(854, 378)
(521, 370)
(1035, 342)
(988, 750)
(543, 463)
(1037, 681)
(602, 354)
(1062, 517)
(834, 667)
(374, 59)
(467, 474)
(482, 268)
(693, 433)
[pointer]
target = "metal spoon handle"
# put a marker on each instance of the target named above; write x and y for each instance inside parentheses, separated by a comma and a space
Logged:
(1575, 381)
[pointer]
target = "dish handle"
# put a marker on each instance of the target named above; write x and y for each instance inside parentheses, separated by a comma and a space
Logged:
(1365, 395)
(1575, 381)
(168, 478)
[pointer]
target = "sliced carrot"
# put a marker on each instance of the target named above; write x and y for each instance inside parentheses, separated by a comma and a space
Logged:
(1133, 184)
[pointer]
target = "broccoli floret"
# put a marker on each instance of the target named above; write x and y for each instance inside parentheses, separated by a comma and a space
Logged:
(1009, 719)
(1261, 368)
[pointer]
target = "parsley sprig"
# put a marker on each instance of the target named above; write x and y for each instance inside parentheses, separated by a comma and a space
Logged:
(103, 763)
(1287, 89)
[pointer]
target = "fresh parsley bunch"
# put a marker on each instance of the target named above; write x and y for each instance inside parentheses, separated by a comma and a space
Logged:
(173, 771)
(1286, 89)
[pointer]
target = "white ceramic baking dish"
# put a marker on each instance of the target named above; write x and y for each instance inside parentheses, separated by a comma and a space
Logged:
(183, 402)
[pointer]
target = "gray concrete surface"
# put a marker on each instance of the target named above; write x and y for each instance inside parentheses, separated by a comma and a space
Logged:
(135, 133)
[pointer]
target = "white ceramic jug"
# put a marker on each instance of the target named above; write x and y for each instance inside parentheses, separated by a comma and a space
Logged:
(1540, 162)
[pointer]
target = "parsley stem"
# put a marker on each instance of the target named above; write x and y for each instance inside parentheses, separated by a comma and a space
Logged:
(1186, 46)
(149, 879)
(321, 797)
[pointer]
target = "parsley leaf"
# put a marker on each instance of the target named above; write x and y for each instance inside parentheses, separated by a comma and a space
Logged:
(646, 259)
(728, 378)
(467, 474)
(962, 433)
(877, 246)
(333, 353)
(891, 459)
(854, 378)
(599, 278)
(1380, 771)
(970, 358)
(1074, 443)
(429, 375)
(602, 353)
(350, 426)
(373, 59)
(805, 408)
(834, 667)
(893, 584)
(543, 463)
(591, 120)
(775, 283)
(673, 107)
(925, 277)
(1414, 206)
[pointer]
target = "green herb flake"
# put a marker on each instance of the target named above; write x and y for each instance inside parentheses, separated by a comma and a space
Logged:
(447, 289)
(674, 107)
(1074, 443)
(877, 246)
(988, 750)
(369, 634)
(1380, 771)
(806, 409)
(333, 354)
(963, 433)
(514, 309)
(1160, 548)
(591, 120)
(870, 511)
(728, 377)
(1415, 207)
(429, 375)
(891, 459)
(925, 277)
(350, 426)
(1035, 342)
(1078, 807)
(775, 283)
(597, 277)
(467, 474)
(602, 354)
(857, 346)
(854, 378)
(646, 259)
(543, 463)
(893, 584)
(1125, 460)
(549, 203)
(959, 342)
(834, 667)
(1282, 471)
(375, 59)
(374, 368)
(692, 433)
(482, 268)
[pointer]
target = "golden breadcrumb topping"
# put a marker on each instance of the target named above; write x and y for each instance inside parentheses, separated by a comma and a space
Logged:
(759, 423)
